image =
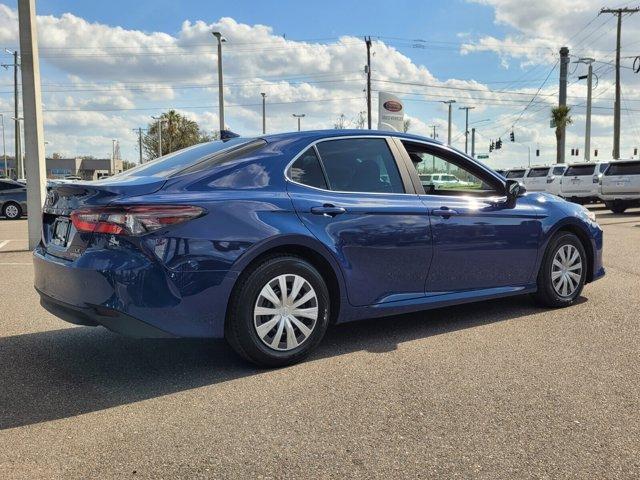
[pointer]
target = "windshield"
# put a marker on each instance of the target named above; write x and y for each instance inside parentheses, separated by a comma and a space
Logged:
(172, 163)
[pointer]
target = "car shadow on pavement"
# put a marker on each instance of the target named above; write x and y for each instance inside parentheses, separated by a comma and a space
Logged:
(62, 373)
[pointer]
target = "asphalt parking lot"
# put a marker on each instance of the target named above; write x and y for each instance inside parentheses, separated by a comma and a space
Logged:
(500, 389)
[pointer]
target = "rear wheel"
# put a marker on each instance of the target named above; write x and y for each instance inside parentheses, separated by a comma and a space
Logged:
(616, 206)
(279, 312)
(563, 271)
(12, 210)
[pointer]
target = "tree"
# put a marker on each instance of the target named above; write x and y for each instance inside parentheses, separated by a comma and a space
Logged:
(56, 156)
(361, 120)
(340, 123)
(406, 125)
(561, 118)
(178, 132)
(126, 165)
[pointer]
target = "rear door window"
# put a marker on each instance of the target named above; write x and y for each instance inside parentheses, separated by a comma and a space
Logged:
(602, 167)
(360, 165)
(307, 170)
(558, 170)
(580, 170)
(627, 168)
(538, 172)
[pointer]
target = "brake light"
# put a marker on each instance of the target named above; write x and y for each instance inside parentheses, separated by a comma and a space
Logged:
(132, 220)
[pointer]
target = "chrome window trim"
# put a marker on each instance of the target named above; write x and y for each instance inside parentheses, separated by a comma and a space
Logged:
(313, 144)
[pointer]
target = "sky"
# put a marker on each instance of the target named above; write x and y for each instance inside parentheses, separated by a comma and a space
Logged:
(108, 67)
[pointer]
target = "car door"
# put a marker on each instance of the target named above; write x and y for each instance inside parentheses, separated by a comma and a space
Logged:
(580, 180)
(479, 242)
(354, 198)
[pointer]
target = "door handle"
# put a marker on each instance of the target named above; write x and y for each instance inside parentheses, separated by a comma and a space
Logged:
(328, 210)
(444, 212)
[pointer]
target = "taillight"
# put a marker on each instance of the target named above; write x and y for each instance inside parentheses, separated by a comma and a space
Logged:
(133, 220)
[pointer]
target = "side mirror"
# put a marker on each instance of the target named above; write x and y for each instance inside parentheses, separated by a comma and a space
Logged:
(514, 189)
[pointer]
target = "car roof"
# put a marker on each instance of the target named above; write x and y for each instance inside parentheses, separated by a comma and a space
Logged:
(313, 135)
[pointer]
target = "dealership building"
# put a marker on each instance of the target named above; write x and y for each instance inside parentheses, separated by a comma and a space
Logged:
(85, 168)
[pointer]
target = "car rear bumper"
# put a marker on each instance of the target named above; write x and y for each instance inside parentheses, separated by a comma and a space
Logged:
(132, 294)
(608, 197)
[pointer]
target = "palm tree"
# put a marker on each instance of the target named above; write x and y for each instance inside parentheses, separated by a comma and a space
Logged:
(561, 118)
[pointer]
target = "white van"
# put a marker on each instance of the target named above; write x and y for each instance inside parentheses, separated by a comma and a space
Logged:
(580, 182)
(620, 185)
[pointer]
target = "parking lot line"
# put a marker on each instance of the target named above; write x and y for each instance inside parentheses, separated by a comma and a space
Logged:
(3, 243)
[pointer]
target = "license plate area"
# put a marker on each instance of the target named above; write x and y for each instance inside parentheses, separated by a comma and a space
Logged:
(60, 235)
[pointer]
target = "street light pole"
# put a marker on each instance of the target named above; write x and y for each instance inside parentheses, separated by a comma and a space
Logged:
(587, 130)
(299, 116)
(220, 39)
(4, 148)
(264, 113)
(19, 164)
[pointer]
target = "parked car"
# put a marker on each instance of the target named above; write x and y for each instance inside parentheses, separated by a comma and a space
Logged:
(267, 241)
(13, 199)
(620, 185)
(580, 182)
(554, 179)
(442, 180)
(536, 179)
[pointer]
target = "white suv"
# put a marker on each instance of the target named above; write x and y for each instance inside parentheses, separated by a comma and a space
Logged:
(580, 182)
(516, 174)
(620, 185)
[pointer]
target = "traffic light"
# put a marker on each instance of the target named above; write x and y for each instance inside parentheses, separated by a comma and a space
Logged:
(573, 152)
(635, 151)
(491, 147)
(537, 152)
(577, 152)
(512, 136)
(498, 144)
(595, 152)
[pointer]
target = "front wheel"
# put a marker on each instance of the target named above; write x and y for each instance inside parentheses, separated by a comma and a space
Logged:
(12, 211)
(563, 271)
(279, 312)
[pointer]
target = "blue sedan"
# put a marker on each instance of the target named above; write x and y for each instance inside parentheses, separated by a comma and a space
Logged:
(267, 241)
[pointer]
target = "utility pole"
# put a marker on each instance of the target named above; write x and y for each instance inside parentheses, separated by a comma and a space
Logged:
(616, 106)
(473, 142)
(562, 99)
(449, 102)
(159, 120)
(587, 129)
(220, 39)
(466, 126)
(264, 113)
(33, 127)
(434, 135)
(4, 149)
(299, 116)
(16, 109)
(140, 145)
(368, 70)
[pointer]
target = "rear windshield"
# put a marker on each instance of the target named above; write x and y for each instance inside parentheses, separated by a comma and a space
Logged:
(515, 174)
(558, 170)
(538, 172)
(579, 170)
(626, 168)
(186, 158)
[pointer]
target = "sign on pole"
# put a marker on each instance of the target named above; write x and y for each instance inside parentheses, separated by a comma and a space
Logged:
(390, 112)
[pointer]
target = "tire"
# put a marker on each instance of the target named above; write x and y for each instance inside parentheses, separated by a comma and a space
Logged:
(618, 207)
(277, 347)
(12, 211)
(555, 296)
